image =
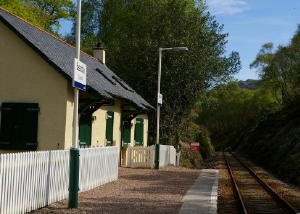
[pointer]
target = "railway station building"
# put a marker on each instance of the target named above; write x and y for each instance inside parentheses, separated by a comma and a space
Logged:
(36, 95)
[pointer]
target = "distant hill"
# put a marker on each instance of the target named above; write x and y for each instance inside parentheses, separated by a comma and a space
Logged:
(249, 84)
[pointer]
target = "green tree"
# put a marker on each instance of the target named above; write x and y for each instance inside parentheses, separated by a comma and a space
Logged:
(22, 9)
(279, 69)
(51, 11)
(45, 14)
(132, 31)
(229, 111)
(90, 28)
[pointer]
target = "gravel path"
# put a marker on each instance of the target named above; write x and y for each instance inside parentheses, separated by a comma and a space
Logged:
(136, 191)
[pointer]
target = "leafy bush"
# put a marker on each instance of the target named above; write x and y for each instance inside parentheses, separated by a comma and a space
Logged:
(194, 159)
(275, 143)
(188, 158)
(207, 149)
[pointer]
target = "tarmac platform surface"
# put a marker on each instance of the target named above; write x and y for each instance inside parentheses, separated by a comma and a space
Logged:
(203, 195)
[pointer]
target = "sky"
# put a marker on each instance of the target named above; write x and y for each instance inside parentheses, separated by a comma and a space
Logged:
(252, 23)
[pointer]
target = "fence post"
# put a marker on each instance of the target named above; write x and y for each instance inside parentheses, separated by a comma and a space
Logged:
(48, 179)
(128, 156)
(157, 156)
(74, 178)
(178, 158)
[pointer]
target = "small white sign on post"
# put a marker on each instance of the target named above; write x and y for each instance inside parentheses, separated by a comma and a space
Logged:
(159, 99)
(79, 78)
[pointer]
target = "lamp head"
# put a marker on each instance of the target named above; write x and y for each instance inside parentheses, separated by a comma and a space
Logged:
(180, 49)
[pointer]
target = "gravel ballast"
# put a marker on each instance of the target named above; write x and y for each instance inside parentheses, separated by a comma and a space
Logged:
(226, 199)
(136, 191)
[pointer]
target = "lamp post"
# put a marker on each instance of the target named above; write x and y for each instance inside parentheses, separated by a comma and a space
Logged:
(74, 151)
(159, 99)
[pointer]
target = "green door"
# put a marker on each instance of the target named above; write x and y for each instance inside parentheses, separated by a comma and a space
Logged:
(85, 130)
(139, 132)
(126, 134)
(109, 128)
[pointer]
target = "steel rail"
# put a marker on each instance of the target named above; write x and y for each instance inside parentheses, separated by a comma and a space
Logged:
(236, 188)
(269, 189)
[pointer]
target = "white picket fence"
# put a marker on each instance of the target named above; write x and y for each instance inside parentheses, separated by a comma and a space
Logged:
(98, 166)
(140, 157)
(32, 180)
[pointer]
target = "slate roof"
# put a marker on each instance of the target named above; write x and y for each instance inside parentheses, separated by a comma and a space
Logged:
(61, 55)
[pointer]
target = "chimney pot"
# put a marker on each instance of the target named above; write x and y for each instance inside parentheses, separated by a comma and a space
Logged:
(99, 53)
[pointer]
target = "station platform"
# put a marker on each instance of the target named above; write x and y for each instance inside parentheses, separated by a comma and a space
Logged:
(203, 195)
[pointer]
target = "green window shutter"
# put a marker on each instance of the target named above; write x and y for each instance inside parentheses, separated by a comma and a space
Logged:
(85, 130)
(109, 128)
(139, 132)
(19, 126)
(126, 133)
(29, 124)
(8, 120)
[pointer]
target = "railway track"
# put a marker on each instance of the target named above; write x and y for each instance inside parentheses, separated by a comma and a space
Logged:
(253, 195)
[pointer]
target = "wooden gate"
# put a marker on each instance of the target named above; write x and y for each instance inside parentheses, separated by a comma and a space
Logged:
(140, 157)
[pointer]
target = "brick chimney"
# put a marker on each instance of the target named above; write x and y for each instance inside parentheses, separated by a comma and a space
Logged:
(99, 53)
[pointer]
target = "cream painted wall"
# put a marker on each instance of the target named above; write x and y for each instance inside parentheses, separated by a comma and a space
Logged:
(145, 117)
(98, 128)
(69, 117)
(26, 77)
(99, 125)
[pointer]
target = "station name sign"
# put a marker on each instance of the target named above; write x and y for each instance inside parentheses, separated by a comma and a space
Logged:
(159, 99)
(79, 77)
